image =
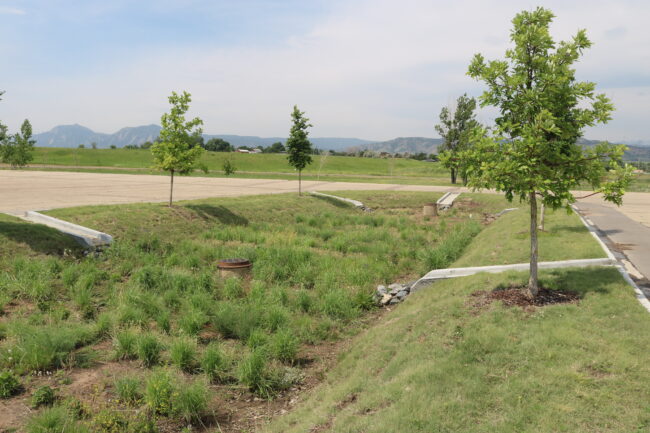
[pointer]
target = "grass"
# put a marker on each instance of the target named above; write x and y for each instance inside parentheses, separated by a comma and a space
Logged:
(157, 295)
(442, 364)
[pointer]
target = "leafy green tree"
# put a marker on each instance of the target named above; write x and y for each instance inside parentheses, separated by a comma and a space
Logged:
(456, 129)
(298, 145)
(532, 153)
(4, 137)
(177, 150)
(218, 145)
(18, 150)
(228, 166)
(276, 147)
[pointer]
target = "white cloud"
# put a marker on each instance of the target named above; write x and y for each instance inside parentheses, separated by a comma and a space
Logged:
(6, 10)
(371, 69)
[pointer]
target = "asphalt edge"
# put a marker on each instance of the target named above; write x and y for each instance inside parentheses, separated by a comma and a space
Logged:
(640, 296)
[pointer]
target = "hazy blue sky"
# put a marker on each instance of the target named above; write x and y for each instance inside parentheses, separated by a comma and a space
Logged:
(371, 69)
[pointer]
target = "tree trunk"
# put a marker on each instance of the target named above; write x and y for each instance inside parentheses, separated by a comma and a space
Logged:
(171, 189)
(533, 286)
(541, 217)
(299, 182)
(453, 175)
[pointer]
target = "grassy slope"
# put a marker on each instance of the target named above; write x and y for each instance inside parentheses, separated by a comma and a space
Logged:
(438, 365)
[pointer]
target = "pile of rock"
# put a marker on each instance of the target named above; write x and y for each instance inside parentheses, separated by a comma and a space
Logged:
(393, 294)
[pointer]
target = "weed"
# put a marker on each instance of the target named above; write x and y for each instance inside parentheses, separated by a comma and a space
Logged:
(9, 384)
(233, 288)
(191, 401)
(254, 373)
(148, 350)
(192, 321)
(128, 389)
(125, 344)
(214, 363)
(182, 353)
(284, 346)
(159, 391)
(54, 420)
(43, 396)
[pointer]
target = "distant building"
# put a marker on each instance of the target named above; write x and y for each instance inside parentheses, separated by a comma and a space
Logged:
(243, 151)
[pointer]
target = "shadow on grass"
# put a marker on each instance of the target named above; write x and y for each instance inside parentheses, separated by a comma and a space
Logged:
(221, 213)
(583, 280)
(333, 201)
(40, 238)
(568, 228)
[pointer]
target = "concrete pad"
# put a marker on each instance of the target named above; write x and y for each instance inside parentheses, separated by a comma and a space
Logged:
(21, 191)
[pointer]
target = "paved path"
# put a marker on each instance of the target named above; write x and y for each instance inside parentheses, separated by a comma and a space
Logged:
(628, 235)
(21, 191)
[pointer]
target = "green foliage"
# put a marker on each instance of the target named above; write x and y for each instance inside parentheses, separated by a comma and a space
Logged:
(214, 363)
(298, 145)
(54, 420)
(18, 151)
(128, 388)
(284, 346)
(176, 150)
(182, 353)
(450, 249)
(228, 167)
(125, 343)
(9, 384)
(159, 391)
(276, 147)
(43, 396)
(218, 145)
(533, 151)
(456, 129)
(191, 401)
(148, 350)
(254, 373)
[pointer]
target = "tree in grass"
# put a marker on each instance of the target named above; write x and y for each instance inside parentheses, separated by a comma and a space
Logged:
(177, 150)
(18, 150)
(456, 128)
(298, 145)
(532, 152)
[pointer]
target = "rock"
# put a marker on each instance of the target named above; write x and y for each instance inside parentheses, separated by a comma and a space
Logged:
(395, 288)
(386, 299)
(381, 290)
(402, 294)
(394, 301)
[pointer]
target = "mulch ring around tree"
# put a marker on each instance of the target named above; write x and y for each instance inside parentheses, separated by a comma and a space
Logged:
(517, 296)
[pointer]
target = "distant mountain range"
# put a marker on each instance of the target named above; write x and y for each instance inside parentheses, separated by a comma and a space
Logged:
(74, 135)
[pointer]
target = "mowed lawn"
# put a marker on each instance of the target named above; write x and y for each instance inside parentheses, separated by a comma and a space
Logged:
(445, 362)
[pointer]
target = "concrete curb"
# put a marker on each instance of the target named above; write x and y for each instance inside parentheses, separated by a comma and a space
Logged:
(356, 203)
(640, 296)
(447, 200)
(90, 237)
(440, 274)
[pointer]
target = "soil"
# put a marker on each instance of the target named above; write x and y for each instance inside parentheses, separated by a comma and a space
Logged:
(517, 296)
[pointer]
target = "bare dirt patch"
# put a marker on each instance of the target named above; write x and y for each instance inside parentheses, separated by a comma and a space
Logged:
(517, 296)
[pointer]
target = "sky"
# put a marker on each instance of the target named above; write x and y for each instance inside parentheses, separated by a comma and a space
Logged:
(372, 69)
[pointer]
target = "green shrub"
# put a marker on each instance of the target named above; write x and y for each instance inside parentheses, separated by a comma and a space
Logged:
(128, 388)
(54, 420)
(43, 396)
(191, 401)
(159, 391)
(148, 350)
(9, 384)
(284, 346)
(182, 353)
(125, 344)
(214, 363)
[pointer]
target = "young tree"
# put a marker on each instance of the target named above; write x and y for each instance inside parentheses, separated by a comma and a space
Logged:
(533, 153)
(18, 150)
(177, 150)
(456, 128)
(298, 145)
(3, 132)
